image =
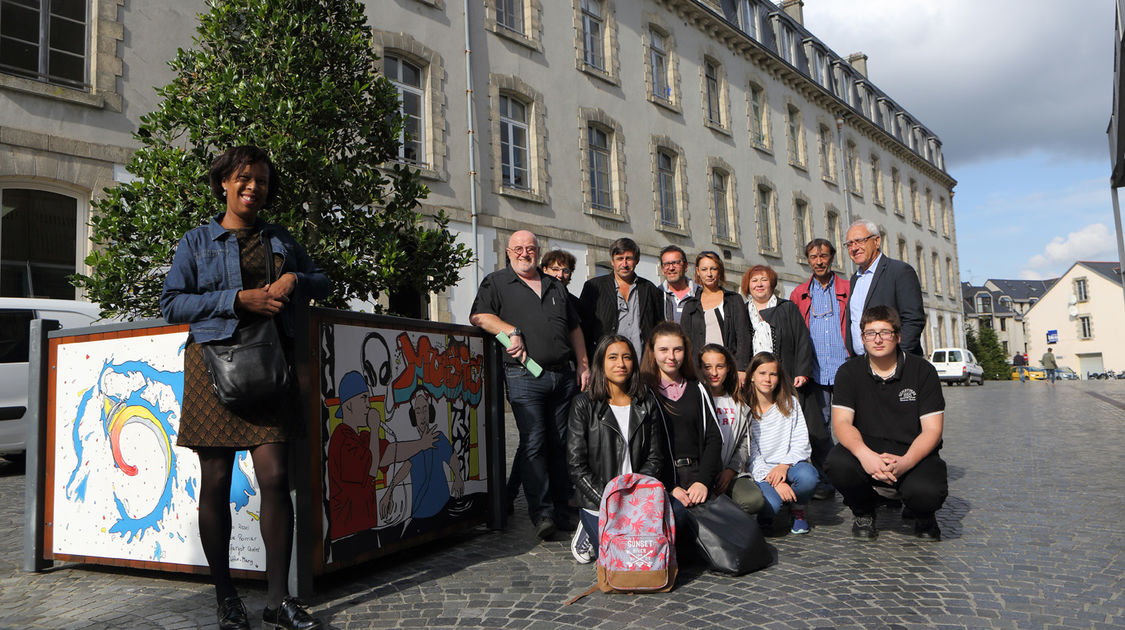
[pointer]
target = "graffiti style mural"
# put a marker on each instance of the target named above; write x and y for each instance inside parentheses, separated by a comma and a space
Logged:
(123, 490)
(404, 439)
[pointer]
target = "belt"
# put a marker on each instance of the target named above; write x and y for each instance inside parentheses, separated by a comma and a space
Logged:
(685, 461)
(558, 367)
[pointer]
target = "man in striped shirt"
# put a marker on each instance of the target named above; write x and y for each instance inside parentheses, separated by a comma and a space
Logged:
(888, 413)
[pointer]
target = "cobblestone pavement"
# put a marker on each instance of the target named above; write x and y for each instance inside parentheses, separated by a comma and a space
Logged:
(1034, 538)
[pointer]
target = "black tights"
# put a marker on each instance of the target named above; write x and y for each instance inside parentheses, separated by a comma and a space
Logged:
(276, 522)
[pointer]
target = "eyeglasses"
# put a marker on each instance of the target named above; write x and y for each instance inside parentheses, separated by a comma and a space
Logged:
(673, 263)
(563, 270)
(859, 241)
(885, 335)
(520, 250)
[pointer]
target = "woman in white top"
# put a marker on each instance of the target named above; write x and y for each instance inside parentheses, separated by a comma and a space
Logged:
(779, 443)
(719, 374)
(614, 428)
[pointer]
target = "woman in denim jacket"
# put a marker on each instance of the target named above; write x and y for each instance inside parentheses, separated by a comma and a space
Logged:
(219, 281)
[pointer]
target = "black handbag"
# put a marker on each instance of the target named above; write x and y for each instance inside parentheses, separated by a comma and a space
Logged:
(249, 369)
(727, 538)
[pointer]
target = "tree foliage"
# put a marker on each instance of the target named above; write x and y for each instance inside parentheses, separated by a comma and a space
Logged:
(297, 78)
(988, 351)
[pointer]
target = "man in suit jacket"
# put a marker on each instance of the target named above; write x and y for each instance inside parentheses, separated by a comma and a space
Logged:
(882, 281)
(622, 303)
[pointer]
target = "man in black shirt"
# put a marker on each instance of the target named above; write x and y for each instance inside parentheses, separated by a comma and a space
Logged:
(532, 309)
(887, 414)
(621, 303)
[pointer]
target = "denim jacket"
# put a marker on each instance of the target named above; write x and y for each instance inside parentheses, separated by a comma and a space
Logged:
(205, 277)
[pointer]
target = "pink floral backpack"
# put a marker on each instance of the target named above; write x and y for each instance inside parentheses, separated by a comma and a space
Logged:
(637, 546)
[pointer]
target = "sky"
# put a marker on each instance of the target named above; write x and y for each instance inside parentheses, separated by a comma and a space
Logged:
(1019, 92)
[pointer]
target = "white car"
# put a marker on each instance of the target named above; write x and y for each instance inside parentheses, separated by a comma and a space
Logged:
(15, 327)
(957, 365)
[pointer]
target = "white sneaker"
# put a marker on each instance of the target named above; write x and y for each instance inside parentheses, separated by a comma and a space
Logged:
(581, 547)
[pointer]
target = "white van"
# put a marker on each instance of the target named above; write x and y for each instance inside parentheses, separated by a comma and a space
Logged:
(15, 327)
(957, 365)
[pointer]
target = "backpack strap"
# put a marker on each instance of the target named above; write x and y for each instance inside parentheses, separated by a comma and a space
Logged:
(579, 596)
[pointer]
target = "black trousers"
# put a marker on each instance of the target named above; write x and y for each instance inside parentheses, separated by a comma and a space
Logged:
(923, 488)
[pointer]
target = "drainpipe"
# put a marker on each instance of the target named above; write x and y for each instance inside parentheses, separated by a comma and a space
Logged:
(471, 133)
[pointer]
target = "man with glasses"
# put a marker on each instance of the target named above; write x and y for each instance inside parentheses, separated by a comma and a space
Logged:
(823, 302)
(532, 309)
(887, 413)
(882, 280)
(621, 303)
(677, 288)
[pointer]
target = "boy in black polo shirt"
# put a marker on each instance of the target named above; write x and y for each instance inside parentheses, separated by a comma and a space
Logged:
(887, 414)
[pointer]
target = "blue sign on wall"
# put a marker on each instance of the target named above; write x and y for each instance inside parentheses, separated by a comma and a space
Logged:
(1052, 336)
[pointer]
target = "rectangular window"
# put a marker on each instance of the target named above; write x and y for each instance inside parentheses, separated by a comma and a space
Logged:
(1080, 291)
(44, 40)
(757, 115)
(944, 210)
(37, 244)
(593, 37)
(785, 42)
(407, 79)
(876, 180)
(801, 226)
(930, 216)
(824, 151)
(853, 168)
(719, 200)
(832, 231)
(984, 303)
(920, 259)
(765, 219)
(513, 143)
(796, 155)
(749, 19)
(509, 14)
(711, 76)
(896, 190)
(658, 65)
(949, 276)
(1004, 326)
(1086, 327)
(915, 204)
(601, 194)
(666, 187)
(935, 267)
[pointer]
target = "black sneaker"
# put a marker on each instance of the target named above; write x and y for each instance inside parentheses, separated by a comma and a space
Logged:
(545, 528)
(823, 492)
(232, 614)
(864, 527)
(927, 529)
(290, 615)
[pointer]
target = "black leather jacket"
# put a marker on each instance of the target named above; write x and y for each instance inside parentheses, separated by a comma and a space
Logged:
(595, 446)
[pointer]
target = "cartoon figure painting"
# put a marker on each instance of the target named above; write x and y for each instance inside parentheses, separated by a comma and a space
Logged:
(429, 488)
(353, 468)
(404, 453)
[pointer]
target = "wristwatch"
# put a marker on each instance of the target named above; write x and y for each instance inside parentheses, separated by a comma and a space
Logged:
(515, 331)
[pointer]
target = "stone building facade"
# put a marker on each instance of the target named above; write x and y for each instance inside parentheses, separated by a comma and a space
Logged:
(710, 124)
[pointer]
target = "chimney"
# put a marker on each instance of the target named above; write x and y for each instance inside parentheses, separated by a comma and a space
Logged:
(795, 10)
(859, 62)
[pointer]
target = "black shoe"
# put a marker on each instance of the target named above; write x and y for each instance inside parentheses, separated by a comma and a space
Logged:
(232, 614)
(545, 528)
(864, 527)
(290, 615)
(927, 529)
(823, 492)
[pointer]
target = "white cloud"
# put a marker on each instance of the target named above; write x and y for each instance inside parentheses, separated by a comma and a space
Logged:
(992, 79)
(1093, 242)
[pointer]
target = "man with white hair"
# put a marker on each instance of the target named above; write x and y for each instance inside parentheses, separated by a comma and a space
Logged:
(533, 310)
(882, 281)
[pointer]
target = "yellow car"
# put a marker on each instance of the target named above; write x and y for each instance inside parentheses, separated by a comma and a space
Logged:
(1033, 373)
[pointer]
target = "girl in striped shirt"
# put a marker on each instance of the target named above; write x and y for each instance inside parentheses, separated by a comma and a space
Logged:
(779, 443)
